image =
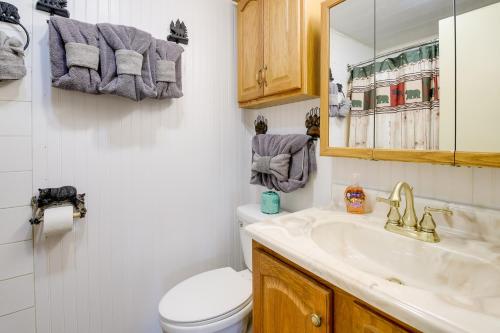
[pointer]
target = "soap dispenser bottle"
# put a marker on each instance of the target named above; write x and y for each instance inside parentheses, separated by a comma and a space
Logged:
(354, 197)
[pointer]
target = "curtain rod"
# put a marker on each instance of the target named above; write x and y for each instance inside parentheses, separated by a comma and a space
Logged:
(349, 67)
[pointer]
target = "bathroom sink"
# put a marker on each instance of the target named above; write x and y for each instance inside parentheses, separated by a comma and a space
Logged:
(458, 276)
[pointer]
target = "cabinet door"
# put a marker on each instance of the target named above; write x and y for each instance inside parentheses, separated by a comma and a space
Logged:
(285, 300)
(366, 321)
(250, 49)
(282, 45)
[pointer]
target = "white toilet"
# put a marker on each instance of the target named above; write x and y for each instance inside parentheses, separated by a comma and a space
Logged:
(215, 301)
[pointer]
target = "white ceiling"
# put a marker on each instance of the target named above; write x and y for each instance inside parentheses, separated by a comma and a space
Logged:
(397, 21)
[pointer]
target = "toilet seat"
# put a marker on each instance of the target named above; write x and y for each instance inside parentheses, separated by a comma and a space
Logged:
(207, 299)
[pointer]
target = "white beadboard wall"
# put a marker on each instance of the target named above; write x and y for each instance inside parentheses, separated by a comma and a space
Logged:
(162, 178)
(472, 186)
(17, 300)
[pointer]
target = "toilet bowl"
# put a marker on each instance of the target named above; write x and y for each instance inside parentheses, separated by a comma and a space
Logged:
(216, 301)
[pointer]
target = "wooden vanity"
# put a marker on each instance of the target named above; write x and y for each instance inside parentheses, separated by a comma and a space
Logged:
(287, 298)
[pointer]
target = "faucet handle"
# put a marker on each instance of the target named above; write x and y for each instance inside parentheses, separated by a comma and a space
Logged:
(427, 224)
(393, 216)
(392, 203)
(445, 211)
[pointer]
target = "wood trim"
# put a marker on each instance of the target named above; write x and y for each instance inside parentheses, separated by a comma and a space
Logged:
(243, 4)
(418, 156)
(287, 97)
(362, 153)
(339, 294)
(477, 159)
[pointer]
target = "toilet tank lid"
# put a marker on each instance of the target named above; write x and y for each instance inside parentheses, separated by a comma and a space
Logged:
(251, 214)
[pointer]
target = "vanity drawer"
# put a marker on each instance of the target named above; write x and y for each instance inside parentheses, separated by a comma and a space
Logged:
(366, 321)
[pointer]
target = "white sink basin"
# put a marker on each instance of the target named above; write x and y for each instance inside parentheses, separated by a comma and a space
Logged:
(459, 276)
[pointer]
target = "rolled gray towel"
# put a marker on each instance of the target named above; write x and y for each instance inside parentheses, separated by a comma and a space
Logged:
(11, 58)
(167, 71)
(282, 162)
(74, 55)
(127, 54)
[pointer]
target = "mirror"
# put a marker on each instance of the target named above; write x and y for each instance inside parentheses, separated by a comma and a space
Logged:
(351, 105)
(478, 87)
(415, 75)
(415, 81)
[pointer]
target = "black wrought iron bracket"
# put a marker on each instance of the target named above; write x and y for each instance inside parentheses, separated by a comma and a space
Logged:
(10, 14)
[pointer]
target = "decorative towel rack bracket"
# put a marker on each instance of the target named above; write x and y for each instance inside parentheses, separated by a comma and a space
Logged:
(53, 7)
(313, 123)
(10, 14)
(260, 125)
(56, 197)
(178, 33)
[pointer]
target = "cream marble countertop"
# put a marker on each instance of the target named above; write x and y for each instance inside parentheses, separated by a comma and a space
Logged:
(452, 295)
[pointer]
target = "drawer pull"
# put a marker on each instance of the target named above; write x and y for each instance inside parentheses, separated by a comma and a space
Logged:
(316, 320)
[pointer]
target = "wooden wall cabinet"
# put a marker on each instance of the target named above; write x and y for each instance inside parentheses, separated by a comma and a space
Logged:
(289, 299)
(278, 51)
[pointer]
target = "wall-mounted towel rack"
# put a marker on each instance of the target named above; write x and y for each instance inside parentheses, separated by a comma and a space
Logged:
(53, 7)
(10, 14)
(54, 197)
(312, 123)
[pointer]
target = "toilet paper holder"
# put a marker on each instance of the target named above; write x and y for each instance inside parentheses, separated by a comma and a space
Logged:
(56, 197)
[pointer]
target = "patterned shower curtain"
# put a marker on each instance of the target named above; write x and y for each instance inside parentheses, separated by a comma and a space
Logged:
(405, 98)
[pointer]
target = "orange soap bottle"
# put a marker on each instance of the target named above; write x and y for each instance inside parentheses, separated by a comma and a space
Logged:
(355, 197)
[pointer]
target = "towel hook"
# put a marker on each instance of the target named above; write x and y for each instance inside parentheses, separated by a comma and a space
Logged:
(313, 123)
(178, 32)
(10, 14)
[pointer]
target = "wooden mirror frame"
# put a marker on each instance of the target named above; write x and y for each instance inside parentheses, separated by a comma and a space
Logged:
(421, 156)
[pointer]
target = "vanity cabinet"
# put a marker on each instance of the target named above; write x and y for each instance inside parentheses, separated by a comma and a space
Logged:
(289, 299)
(278, 51)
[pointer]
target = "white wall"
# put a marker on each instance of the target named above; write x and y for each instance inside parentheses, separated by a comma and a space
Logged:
(344, 51)
(161, 177)
(473, 186)
(17, 313)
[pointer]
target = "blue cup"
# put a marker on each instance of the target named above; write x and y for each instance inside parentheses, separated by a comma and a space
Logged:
(270, 202)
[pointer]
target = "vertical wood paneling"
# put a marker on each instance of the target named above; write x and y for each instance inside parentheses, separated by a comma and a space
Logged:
(162, 177)
(14, 226)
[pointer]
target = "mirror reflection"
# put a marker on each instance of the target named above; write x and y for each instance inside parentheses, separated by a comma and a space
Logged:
(351, 96)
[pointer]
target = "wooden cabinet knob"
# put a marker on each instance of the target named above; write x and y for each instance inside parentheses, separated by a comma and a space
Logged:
(316, 320)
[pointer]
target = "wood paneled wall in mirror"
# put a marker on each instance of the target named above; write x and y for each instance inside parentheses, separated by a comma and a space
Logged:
(478, 82)
(388, 80)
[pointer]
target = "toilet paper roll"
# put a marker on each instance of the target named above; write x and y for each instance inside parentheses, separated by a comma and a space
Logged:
(57, 221)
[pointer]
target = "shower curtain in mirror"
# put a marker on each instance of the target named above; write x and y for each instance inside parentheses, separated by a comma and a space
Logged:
(405, 98)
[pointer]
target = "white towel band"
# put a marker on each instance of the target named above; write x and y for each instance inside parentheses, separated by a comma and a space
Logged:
(165, 71)
(128, 62)
(82, 55)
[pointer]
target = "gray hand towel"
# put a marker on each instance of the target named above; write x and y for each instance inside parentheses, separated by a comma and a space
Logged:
(11, 58)
(126, 61)
(167, 71)
(270, 154)
(74, 55)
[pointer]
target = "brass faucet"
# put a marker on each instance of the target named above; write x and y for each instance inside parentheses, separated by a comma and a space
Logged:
(408, 225)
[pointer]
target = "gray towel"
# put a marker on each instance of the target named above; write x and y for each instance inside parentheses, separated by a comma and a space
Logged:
(11, 58)
(270, 154)
(74, 55)
(126, 61)
(167, 71)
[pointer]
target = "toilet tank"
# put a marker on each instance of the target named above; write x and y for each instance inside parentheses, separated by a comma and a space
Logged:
(246, 215)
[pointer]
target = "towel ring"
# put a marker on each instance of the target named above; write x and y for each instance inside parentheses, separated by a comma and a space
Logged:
(10, 14)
